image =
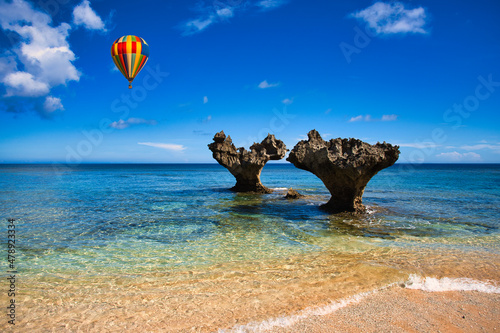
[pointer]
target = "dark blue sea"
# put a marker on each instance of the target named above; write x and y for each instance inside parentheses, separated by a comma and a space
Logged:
(114, 226)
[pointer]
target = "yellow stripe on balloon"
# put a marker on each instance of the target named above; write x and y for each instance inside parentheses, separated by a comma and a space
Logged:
(129, 63)
(138, 49)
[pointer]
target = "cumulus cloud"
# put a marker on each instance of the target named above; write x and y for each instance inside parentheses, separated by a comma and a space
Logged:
(52, 104)
(122, 124)
(393, 18)
(85, 16)
(38, 60)
(166, 146)
(24, 84)
(385, 117)
(264, 85)
(44, 54)
(459, 157)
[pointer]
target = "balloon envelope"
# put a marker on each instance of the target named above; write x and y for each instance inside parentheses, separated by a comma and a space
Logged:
(130, 54)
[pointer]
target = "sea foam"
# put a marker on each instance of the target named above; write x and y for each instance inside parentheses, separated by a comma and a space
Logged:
(414, 281)
(450, 284)
(306, 313)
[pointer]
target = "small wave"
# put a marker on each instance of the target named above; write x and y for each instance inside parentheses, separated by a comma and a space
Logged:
(450, 284)
(306, 313)
(370, 210)
(414, 282)
(279, 188)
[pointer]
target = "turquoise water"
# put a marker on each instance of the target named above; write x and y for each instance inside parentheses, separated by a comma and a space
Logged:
(143, 218)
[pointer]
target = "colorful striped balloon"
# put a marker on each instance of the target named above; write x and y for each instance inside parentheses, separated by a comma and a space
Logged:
(130, 54)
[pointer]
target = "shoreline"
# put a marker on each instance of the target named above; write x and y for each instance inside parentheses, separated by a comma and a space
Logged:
(399, 309)
(418, 305)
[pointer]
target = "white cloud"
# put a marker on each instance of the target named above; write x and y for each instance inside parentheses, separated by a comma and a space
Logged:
(419, 145)
(122, 124)
(221, 11)
(458, 157)
(393, 18)
(44, 51)
(24, 84)
(328, 111)
(167, 146)
(85, 16)
(205, 99)
(360, 118)
(385, 117)
(389, 117)
(209, 15)
(41, 57)
(271, 4)
(264, 85)
(225, 12)
(287, 101)
(197, 25)
(52, 104)
(481, 146)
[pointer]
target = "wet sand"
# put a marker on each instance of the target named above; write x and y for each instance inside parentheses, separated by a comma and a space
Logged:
(403, 310)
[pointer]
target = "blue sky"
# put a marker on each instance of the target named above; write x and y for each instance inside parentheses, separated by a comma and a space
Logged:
(421, 74)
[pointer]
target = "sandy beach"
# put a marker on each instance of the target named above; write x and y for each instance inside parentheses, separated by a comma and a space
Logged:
(404, 310)
(320, 293)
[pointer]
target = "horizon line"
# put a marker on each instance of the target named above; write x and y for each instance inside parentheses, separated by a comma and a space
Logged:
(215, 163)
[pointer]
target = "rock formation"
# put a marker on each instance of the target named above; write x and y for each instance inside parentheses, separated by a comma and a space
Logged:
(292, 194)
(344, 165)
(244, 165)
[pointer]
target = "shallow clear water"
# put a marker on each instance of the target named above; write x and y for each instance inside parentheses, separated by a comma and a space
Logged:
(117, 217)
(122, 231)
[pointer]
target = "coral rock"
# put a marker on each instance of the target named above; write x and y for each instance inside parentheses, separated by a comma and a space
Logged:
(292, 194)
(344, 165)
(245, 165)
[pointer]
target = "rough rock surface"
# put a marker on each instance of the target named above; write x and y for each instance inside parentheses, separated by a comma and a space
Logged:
(344, 165)
(245, 165)
(292, 194)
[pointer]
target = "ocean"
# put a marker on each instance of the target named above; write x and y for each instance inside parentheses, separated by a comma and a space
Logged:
(168, 247)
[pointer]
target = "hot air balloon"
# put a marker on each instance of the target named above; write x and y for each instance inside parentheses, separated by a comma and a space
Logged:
(130, 54)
